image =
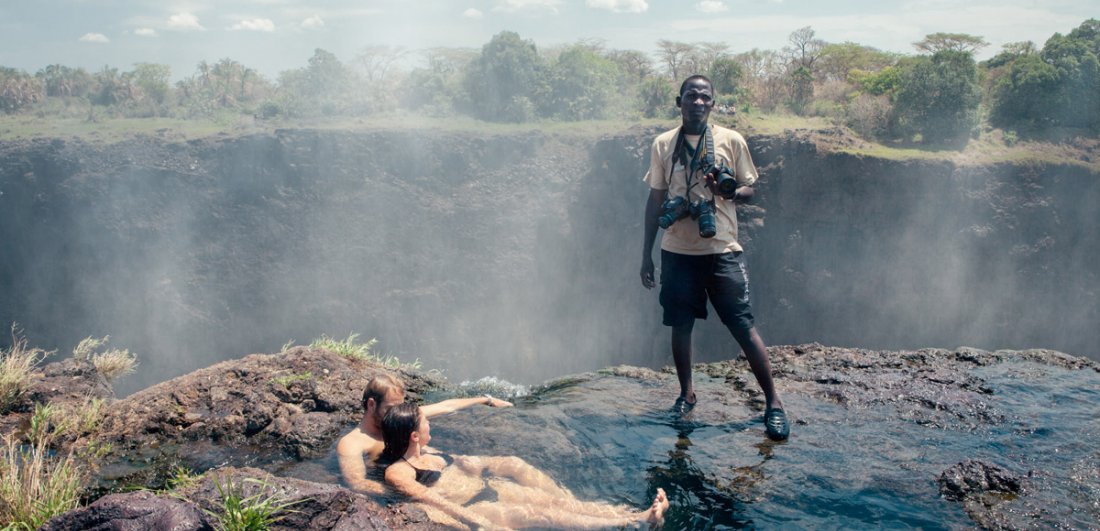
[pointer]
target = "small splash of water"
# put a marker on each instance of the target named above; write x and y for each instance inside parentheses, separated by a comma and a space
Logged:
(491, 385)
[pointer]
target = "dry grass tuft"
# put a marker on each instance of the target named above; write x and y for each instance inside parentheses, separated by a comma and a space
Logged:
(111, 363)
(16, 364)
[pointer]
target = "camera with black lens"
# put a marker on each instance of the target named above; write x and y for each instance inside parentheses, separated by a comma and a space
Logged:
(672, 210)
(723, 177)
(703, 212)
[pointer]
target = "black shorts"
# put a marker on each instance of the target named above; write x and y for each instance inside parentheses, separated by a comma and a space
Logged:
(688, 281)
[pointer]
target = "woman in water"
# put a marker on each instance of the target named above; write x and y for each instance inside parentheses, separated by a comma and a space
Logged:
(457, 486)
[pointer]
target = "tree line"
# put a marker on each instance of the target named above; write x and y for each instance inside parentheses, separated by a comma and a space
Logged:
(939, 94)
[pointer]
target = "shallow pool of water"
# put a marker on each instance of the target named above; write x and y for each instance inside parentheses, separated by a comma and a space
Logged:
(611, 438)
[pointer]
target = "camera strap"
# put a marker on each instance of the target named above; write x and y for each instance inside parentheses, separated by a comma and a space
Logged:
(702, 157)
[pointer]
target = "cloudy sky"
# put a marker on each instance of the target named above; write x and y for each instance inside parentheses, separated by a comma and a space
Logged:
(276, 35)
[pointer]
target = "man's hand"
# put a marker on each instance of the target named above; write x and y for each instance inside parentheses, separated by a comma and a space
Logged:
(647, 273)
(496, 402)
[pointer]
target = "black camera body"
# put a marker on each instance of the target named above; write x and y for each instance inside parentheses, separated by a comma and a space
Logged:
(672, 210)
(703, 212)
(676, 208)
(723, 176)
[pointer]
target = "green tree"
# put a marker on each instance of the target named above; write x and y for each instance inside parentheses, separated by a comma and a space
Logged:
(839, 60)
(1076, 57)
(1022, 96)
(885, 82)
(725, 74)
(676, 57)
(19, 90)
(938, 96)
(152, 79)
(1055, 88)
(657, 97)
(325, 86)
(62, 81)
(802, 54)
(582, 84)
(955, 42)
(437, 88)
(507, 80)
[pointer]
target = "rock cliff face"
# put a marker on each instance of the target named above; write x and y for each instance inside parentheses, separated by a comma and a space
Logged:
(517, 255)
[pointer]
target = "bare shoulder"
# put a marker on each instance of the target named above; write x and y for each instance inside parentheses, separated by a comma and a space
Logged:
(355, 443)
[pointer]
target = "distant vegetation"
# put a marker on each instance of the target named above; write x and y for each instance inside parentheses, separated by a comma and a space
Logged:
(939, 96)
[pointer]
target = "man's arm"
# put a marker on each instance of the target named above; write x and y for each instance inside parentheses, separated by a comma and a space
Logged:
(652, 210)
(455, 404)
(354, 469)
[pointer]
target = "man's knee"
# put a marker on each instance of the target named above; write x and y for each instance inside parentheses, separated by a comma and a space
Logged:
(741, 332)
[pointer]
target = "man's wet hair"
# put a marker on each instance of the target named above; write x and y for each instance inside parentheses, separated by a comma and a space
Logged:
(683, 86)
(380, 386)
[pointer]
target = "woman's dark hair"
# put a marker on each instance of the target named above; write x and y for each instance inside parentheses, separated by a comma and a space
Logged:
(399, 423)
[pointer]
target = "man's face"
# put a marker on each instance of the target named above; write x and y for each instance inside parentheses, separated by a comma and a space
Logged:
(392, 398)
(696, 102)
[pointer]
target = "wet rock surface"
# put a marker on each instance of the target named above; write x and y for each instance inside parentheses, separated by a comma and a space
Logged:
(974, 478)
(932, 438)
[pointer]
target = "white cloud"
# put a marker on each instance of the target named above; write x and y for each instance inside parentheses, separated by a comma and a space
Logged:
(94, 37)
(185, 21)
(145, 32)
(620, 6)
(713, 6)
(313, 22)
(473, 13)
(512, 6)
(254, 24)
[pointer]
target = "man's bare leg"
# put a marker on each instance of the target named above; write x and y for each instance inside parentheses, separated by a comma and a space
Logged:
(681, 356)
(757, 355)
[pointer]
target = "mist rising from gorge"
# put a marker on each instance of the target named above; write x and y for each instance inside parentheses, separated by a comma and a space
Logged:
(517, 256)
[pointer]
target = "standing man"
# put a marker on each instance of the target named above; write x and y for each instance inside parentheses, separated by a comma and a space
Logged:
(696, 175)
(363, 445)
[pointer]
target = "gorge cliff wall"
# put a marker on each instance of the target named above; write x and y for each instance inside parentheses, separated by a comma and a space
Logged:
(517, 255)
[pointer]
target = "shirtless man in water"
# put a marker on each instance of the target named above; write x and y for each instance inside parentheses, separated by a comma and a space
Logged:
(363, 445)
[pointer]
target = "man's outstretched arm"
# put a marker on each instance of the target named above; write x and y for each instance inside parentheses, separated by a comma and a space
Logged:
(450, 406)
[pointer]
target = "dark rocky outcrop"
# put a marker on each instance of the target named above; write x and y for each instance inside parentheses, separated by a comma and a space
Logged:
(259, 409)
(971, 479)
(133, 511)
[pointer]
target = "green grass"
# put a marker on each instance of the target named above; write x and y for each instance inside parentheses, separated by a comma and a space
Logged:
(351, 348)
(287, 380)
(181, 477)
(36, 484)
(257, 512)
(991, 148)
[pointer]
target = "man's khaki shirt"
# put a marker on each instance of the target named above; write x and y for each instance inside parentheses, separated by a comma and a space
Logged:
(683, 236)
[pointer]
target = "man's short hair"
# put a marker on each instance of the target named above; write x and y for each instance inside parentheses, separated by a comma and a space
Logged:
(683, 86)
(380, 386)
